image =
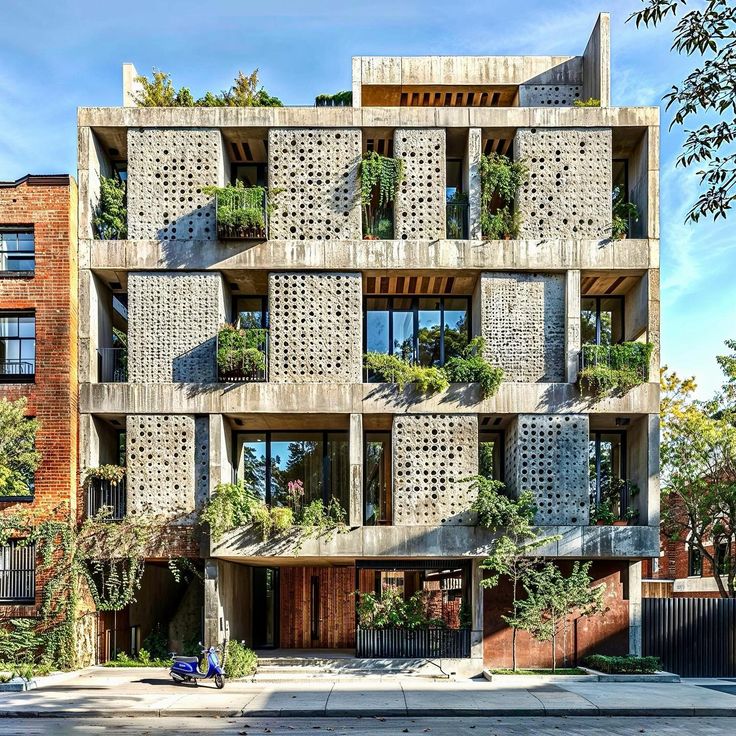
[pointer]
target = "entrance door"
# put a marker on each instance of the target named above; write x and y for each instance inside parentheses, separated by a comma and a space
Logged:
(265, 607)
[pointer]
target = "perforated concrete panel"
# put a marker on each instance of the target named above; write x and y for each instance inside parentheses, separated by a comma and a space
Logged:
(166, 172)
(419, 210)
(549, 95)
(173, 320)
(317, 168)
(547, 454)
(160, 459)
(432, 454)
(568, 194)
(316, 328)
(523, 323)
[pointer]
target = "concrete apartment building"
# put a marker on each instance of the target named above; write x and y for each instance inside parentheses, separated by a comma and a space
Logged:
(38, 360)
(394, 459)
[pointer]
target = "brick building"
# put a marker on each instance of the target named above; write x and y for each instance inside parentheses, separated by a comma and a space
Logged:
(326, 288)
(38, 357)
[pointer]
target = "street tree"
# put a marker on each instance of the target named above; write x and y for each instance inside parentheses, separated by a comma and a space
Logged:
(19, 458)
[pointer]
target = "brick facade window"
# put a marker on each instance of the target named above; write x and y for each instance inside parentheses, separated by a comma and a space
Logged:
(17, 249)
(17, 347)
(17, 572)
(694, 562)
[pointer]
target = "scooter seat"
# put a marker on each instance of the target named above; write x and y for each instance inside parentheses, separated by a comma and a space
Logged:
(190, 660)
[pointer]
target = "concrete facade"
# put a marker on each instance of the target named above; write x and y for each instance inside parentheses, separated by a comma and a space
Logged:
(314, 275)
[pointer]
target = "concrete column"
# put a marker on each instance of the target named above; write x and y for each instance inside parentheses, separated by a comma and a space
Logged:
(131, 87)
(355, 512)
(634, 586)
(357, 81)
(572, 321)
(651, 486)
(471, 181)
(476, 603)
(212, 610)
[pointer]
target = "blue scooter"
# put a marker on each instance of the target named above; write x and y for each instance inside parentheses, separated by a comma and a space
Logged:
(186, 669)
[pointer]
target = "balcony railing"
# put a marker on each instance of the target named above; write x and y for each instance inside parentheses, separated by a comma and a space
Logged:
(112, 365)
(412, 643)
(17, 370)
(242, 213)
(631, 357)
(246, 361)
(457, 220)
(109, 495)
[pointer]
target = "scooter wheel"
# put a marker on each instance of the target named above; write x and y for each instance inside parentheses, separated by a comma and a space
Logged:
(219, 682)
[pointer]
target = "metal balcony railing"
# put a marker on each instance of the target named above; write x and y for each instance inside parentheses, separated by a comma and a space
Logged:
(107, 494)
(614, 497)
(112, 365)
(630, 356)
(246, 367)
(457, 220)
(17, 370)
(242, 214)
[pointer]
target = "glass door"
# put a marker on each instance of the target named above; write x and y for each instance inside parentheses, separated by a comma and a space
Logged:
(265, 607)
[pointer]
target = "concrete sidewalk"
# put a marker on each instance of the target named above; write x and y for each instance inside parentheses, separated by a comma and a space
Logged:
(99, 692)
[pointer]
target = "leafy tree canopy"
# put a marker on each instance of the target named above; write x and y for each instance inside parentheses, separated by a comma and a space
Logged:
(18, 455)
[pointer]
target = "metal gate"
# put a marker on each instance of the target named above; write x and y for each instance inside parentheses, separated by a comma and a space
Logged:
(694, 637)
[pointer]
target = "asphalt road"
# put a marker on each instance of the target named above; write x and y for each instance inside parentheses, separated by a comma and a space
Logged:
(576, 726)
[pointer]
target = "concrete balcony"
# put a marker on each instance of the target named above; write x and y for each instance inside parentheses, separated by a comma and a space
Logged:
(347, 398)
(588, 542)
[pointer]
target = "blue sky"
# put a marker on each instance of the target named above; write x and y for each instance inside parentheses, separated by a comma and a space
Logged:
(60, 54)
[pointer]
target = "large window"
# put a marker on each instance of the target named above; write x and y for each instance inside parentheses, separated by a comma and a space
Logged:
(602, 320)
(17, 249)
(268, 461)
(377, 486)
(423, 330)
(17, 346)
(607, 458)
(17, 572)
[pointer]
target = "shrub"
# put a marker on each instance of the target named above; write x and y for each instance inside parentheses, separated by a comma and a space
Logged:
(230, 506)
(500, 180)
(240, 352)
(339, 99)
(110, 220)
(390, 610)
(472, 367)
(239, 660)
(590, 102)
(393, 369)
(628, 665)
(142, 659)
(155, 645)
(611, 369)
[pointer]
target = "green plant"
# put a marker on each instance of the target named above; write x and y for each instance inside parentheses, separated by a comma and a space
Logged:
(239, 660)
(317, 519)
(282, 518)
(241, 210)
(230, 506)
(156, 644)
(500, 180)
(614, 369)
(472, 367)
(339, 99)
(380, 178)
(112, 473)
(19, 458)
(590, 102)
(624, 212)
(241, 352)
(427, 379)
(110, 219)
(245, 92)
(391, 610)
(628, 665)
(142, 659)
(603, 514)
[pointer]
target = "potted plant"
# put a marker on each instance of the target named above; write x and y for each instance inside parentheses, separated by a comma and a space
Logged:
(604, 515)
(624, 212)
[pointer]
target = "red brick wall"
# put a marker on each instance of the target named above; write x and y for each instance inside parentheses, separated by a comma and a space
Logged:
(51, 207)
(606, 633)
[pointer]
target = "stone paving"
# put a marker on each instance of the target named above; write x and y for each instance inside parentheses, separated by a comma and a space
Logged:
(100, 692)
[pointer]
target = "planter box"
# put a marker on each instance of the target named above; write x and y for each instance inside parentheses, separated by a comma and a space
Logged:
(526, 680)
(653, 677)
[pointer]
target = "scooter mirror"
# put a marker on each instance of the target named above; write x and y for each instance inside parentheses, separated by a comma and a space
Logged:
(200, 643)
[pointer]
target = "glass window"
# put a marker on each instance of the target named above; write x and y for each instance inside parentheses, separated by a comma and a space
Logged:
(695, 562)
(722, 559)
(602, 320)
(17, 346)
(17, 249)
(490, 456)
(607, 459)
(251, 175)
(251, 311)
(377, 494)
(268, 461)
(424, 330)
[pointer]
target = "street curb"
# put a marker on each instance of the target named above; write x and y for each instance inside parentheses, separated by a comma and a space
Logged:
(383, 713)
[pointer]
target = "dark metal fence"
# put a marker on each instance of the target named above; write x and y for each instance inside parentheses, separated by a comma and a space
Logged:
(112, 365)
(102, 493)
(694, 637)
(17, 572)
(410, 643)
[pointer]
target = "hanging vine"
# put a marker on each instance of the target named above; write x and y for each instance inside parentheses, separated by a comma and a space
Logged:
(380, 178)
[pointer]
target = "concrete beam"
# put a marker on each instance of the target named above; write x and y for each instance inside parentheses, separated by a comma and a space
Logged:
(572, 322)
(357, 398)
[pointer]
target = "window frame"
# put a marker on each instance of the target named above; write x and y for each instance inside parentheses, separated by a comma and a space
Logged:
(326, 469)
(391, 299)
(598, 298)
(235, 312)
(17, 544)
(388, 461)
(17, 255)
(595, 436)
(484, 435)
(20, 377)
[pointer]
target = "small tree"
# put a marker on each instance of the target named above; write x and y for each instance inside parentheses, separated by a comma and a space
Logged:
(512, 554)
(19, 458)
(552, 598)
